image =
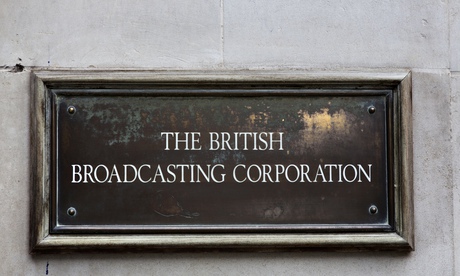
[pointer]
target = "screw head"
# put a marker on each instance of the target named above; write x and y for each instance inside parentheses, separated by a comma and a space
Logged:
(373, 210)
(71, 109)
(72, 212)
(371, 109)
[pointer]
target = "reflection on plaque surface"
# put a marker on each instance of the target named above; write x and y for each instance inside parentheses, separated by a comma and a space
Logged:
(156, 162)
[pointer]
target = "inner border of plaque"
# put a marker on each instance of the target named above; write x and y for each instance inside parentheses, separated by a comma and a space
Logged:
(48, 236)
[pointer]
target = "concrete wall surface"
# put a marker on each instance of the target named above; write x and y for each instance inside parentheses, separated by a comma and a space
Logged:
(420, 36)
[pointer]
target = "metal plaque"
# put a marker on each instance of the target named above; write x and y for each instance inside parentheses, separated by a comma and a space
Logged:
(211, 162)
(221, 158)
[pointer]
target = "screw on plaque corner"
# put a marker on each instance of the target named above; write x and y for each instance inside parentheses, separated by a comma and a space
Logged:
(371, 109)
(373, 210)
(71, 109)
(72, 212)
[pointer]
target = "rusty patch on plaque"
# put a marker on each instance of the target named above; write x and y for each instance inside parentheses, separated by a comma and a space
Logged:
(153, 162)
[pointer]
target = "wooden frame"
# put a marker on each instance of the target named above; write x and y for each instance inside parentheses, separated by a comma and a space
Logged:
(402, 238)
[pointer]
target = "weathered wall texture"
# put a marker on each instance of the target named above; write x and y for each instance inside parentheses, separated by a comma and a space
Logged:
(419, 35)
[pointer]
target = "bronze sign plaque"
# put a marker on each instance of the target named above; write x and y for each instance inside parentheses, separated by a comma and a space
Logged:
(217, 158)
(207, 162)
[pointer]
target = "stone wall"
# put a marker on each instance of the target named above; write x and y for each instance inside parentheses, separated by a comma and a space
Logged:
(421, 36)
